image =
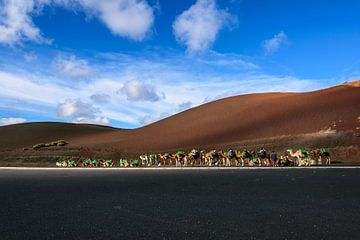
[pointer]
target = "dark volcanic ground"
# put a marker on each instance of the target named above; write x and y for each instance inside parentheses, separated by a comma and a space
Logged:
(180, 204)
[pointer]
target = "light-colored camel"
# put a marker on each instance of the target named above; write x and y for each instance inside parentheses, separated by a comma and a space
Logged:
(302, 158)
(166, 159)
(144, 160)
(61, 164)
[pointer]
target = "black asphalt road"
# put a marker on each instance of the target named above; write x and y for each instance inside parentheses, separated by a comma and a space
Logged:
(180, 204)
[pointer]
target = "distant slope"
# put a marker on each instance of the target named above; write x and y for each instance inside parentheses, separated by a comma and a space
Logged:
(244, 117)
(28, 134)
(229, 120)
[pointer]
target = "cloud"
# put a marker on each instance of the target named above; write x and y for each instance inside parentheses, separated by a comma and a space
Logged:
(96, 120)
(100, 98)
(72, 66)
(127, 18)
(135, 90)
(9, 121)
(17, 26)
(273, 45)
(228, 60)
(183, 79)
(16, 22)
(81, 112)
(199, 26)
(184, 106)
(148, 119)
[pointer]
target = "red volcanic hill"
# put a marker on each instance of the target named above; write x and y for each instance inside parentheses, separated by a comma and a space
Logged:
(237, 121)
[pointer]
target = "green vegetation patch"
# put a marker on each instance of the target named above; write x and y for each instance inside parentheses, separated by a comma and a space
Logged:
(58, 143)
(38, 146)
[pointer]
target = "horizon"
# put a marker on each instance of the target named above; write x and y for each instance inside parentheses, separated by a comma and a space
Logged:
(85, 62)
(214, 100)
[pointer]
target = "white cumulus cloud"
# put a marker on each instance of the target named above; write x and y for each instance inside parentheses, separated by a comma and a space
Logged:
(16, 22)
(72, 66)
(135, 90)
(12, 120)
(199, 26)
(81, 112)
(127, 18)
(273, 45)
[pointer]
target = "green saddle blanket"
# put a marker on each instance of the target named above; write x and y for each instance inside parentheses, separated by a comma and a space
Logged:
(324, 150)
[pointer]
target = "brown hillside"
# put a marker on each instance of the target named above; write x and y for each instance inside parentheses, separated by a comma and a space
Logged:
(246, 118)
(28, 134)
(240, 118)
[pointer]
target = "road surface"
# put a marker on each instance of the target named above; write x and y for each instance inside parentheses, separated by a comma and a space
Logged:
(175, 204)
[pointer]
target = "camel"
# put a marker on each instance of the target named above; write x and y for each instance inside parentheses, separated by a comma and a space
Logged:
(211, 158)
(324, 153)
(321, 154)
(233, 157)
(152, 159)
(124, 163)
(254, 160)
(179, 158)
(61, 164)
(285, 161)
(87, 162)
(134, 163)
(195, 157)
(224, 158)
(108, 163)
(240, 158)
(301, 156)
(263, 158)
(166, 158)
(94, 163)
(72, 163)
(145, 160)
(245, 157)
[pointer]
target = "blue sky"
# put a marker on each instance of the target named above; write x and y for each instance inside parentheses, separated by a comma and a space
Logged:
(127, 63)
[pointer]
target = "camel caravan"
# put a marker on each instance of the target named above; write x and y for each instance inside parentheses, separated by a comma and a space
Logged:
(301, 157)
